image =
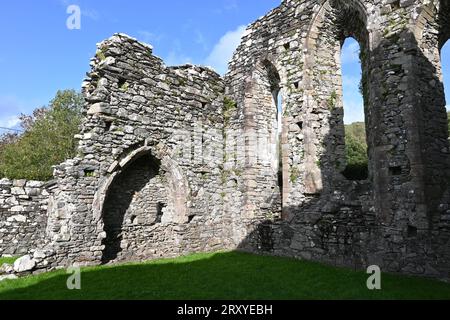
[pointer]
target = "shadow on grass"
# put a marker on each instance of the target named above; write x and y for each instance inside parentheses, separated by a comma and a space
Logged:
(230, 275)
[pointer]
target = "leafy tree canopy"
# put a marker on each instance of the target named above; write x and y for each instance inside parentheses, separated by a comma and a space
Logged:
(48, 139)
(356, 149)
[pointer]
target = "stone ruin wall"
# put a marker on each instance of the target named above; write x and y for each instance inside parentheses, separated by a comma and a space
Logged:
(23, 215)
(398, 218)
(140, 187)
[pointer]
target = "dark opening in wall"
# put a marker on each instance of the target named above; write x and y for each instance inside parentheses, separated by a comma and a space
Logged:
(395, 171)
(89, 172)
(265, 235)
(122, 84)
(159, 212)
(108, 125)
(191, 217)
(354, 118)
(136, 197)
(412, 232)
(395, 5)
(287, 46)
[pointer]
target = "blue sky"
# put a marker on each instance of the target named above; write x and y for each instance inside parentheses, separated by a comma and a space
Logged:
(40, 55)
(351, 77)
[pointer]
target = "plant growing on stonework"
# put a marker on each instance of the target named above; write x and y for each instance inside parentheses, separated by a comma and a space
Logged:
(295, 174)
(229, 106)
(100, 54)
(332, 100)
(47, 140)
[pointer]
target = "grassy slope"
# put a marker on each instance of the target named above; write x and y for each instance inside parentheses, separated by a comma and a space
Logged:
(7, 260)
(222, 276)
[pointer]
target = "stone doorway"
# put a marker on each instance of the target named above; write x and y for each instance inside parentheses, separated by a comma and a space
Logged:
(135, 202)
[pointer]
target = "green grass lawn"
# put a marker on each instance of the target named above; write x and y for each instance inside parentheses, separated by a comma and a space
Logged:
(229, 275)
(7, 260)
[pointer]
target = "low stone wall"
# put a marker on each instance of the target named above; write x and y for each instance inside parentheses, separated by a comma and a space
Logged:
(23, 215)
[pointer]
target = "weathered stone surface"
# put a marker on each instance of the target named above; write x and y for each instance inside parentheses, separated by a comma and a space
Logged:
(173, 160)
(24, 264)
(23, 216)
(6, 268)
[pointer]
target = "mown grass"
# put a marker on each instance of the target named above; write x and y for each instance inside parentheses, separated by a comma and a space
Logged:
(8, 260)
(230, 275)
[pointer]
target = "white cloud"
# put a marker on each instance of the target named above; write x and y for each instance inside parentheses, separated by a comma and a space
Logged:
(353, 111)
(11, 108)
(176, 55)
(150, 37)
(200, 40)
(218, 57)
(9, 122)
(90, 13)
(176, 59)
(224, 49)
(351, 82)
(231, 5)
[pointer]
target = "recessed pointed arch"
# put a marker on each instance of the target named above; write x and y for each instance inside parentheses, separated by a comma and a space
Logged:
(263, 127)
(433, 19)
(334, 22)
(431, 31)
(142, 190)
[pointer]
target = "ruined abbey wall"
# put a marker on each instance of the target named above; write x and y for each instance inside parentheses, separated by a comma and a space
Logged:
(396, 218)
(175, 160)
(142, 186)
(23, 215)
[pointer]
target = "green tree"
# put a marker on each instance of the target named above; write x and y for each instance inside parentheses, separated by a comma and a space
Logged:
(8, 138)
(47, 141)
(356, 149)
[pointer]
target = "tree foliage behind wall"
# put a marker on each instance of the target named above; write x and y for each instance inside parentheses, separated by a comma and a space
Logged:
(48, 139)
(356, 149)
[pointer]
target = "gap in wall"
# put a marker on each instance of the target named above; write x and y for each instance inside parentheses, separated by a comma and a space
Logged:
(445, 60)
(354, 119)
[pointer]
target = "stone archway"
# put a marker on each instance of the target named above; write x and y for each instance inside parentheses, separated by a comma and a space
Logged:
(263, 126)
(136, 200)
(430, 31)
(323, 118)
(134, 204)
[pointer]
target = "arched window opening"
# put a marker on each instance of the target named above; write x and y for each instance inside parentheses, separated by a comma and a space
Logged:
(265, 116)
(445, 60)
(279, 104)
(277, 127)
(354, 119)
(325, 148)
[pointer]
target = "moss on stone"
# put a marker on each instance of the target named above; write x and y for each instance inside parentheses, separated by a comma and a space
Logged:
(229, 107)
